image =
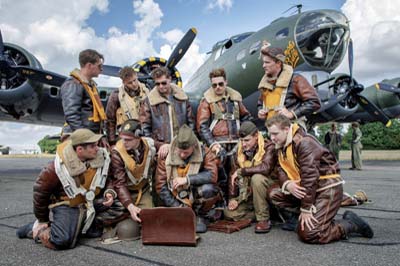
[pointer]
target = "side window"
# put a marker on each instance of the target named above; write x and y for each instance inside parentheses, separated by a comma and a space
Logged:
(217, 53)
(255, 47)
(241, 55)
(282, 34)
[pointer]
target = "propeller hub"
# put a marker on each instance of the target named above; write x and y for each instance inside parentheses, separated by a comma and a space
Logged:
(358, 88)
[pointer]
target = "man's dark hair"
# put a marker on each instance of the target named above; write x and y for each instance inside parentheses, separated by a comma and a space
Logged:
(278, 120)
(89, 56)
(126, 72)
(159, 72)
(219, 72)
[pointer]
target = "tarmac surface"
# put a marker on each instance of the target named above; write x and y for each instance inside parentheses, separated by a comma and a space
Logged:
(380, 180)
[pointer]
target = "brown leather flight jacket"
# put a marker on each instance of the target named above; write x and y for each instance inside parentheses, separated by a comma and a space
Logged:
(49, 190)
(266, 168)
(208, 174)
(223, 129)
(301, 97)
(313, 161)
(112, 106)
(120, 177)
(155, 117)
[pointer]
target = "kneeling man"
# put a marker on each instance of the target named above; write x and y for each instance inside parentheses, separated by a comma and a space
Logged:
(188, 176)
(310, 180)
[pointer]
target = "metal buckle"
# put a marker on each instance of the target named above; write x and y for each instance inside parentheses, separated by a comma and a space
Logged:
(228, 116)
(90, 195)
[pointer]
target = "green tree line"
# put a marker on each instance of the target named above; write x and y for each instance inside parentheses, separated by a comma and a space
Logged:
(375, 136)
(48, 145)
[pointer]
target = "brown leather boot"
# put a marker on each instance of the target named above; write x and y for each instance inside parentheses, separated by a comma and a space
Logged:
(262, 227)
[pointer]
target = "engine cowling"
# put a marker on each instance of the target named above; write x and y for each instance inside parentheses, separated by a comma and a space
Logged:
(146, 65)
(19, 96)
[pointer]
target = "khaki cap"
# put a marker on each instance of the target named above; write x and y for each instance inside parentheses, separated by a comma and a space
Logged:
(186, 138)
(84, 136)
(247, 128)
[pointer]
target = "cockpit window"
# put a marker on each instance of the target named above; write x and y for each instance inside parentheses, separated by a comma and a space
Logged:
(322, 38)
(241, 37)
(282, 34)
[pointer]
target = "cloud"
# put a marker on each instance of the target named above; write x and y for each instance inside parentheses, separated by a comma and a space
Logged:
(376, 35)
(220, 4)
(56, 31)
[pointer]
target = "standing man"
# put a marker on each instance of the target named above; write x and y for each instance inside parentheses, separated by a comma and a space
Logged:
(79, 95)
(310, 179)
(188, 177)
(164, 111)
(124, 102)
(281, 91)
(67, 188)
(256, 160)
(356, 146)
(219, 115)
(333, 140)
(132, 165)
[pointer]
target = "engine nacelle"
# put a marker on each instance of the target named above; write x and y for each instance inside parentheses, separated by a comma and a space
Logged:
(19, 96)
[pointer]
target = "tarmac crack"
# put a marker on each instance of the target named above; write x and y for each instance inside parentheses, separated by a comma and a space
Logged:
(127, 255)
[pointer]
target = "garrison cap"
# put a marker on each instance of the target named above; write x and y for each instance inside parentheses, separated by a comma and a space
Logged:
(131, 128)
(274, 52)
(247, 128)
(186, 138)
(84, 136)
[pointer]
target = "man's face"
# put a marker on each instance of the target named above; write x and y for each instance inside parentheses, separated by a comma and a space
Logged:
(96, 68)
(184, 154)
(131, 83)
(219, 85)
(163, 85)
(249, 142)
(278, 135)
(271, 67)
(130, 143)
(87, 152)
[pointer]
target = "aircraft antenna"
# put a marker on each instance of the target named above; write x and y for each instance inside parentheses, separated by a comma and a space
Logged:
(298, 6)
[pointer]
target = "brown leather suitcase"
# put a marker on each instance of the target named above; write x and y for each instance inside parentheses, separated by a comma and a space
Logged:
(229, 226)
(168, 226)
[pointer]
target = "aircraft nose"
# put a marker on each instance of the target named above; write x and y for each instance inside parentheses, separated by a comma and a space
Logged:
(322, 37)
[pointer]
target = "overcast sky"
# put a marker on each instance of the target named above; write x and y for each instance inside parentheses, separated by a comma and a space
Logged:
(126, 31)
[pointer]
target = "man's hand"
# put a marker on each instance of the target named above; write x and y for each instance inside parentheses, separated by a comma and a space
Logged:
(296, 190)
(286, 113)
(233, 178)
(109, 200)
(262, 113)
(163, 151)
(178, 181)
(232, 205)
(37, 227)
(134, 211)
(308, 219)
(216, 148)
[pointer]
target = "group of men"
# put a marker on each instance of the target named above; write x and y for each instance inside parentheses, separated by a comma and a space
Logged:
(161, 155)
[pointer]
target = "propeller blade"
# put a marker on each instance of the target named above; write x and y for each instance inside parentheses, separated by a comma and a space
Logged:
(40, 75)
(181, 48)
(350, 54)
(111, 71)
(1, 45)
(323, 82)
(387, 87)
(373, 110)
(333, 101)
